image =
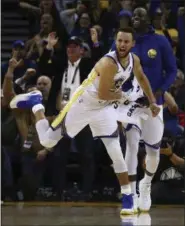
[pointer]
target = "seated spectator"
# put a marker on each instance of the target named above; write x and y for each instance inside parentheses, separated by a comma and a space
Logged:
(18, 52)
(169, 177)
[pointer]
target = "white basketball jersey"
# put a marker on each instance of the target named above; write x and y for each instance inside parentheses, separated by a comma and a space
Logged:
(120, 77)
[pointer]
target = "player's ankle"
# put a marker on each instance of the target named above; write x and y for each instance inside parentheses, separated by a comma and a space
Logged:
(126, 189)
(37, 107)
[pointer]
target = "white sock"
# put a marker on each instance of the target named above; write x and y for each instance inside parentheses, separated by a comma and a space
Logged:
(37, 107)
(133, 187)
(126, 189)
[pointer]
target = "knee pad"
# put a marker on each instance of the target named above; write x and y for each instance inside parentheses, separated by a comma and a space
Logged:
(114, 151)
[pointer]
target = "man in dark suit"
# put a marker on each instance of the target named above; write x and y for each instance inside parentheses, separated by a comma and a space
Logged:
(68, 75)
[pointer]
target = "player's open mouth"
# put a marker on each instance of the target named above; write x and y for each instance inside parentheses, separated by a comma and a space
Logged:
(122, 50)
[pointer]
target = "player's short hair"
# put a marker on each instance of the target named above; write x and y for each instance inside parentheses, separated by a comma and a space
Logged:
(126, 30)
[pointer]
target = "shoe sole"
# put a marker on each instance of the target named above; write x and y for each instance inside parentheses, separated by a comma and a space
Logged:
(136, 211)
(144, 211)
(126, 212)
(14, 102)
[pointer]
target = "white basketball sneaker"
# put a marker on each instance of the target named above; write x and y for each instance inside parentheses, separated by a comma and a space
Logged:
(135, 202)
(145, 197)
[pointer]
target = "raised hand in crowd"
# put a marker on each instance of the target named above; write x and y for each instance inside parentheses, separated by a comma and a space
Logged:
(13, 63)
(52, 40)
(181, 11)
(81, 8)
(94, 35)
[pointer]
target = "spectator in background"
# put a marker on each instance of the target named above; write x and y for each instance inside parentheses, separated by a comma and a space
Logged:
(46, 7)
(170, 114)
(69, 17)
(178, 90)
(34, 47)
(169, 13)
(64, 86)
(32, 151)
(181, 29)
(125, 18)
(59, 66)
(82, 28)
(109, 25)
(169, 178)
(18, 52)
(160, 28)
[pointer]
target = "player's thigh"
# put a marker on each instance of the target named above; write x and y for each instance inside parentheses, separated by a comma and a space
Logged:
(76, 119)
(132, 114)
(104, 122)
(152, 129)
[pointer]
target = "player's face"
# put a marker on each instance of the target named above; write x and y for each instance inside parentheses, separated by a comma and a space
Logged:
(139, 19)
(124, 43)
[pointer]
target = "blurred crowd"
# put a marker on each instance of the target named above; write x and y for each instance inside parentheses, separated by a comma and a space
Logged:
(66, 39)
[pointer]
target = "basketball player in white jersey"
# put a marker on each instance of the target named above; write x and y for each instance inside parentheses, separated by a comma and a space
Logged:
(92, 104)
(139, 129)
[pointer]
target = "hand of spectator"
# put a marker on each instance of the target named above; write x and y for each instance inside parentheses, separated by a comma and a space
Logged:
(181, 11)
(52, 40)
(42, 154)
(94, 35)
(166, 151)
(37, 40)
(13, 63)
(81, 8)
(30, 72)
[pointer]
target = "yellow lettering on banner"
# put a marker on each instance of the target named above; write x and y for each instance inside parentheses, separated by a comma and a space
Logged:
(58, 120)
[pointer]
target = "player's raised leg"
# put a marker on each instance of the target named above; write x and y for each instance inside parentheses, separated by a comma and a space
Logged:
(33, 100)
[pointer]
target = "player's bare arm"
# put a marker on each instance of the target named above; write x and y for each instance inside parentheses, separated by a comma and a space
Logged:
(145, 85)
(107, 69)
(170, 102)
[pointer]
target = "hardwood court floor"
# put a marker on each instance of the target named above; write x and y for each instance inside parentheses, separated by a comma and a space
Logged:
(54, 214)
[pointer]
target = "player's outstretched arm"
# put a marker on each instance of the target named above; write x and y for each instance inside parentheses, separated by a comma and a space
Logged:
(107, 69)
